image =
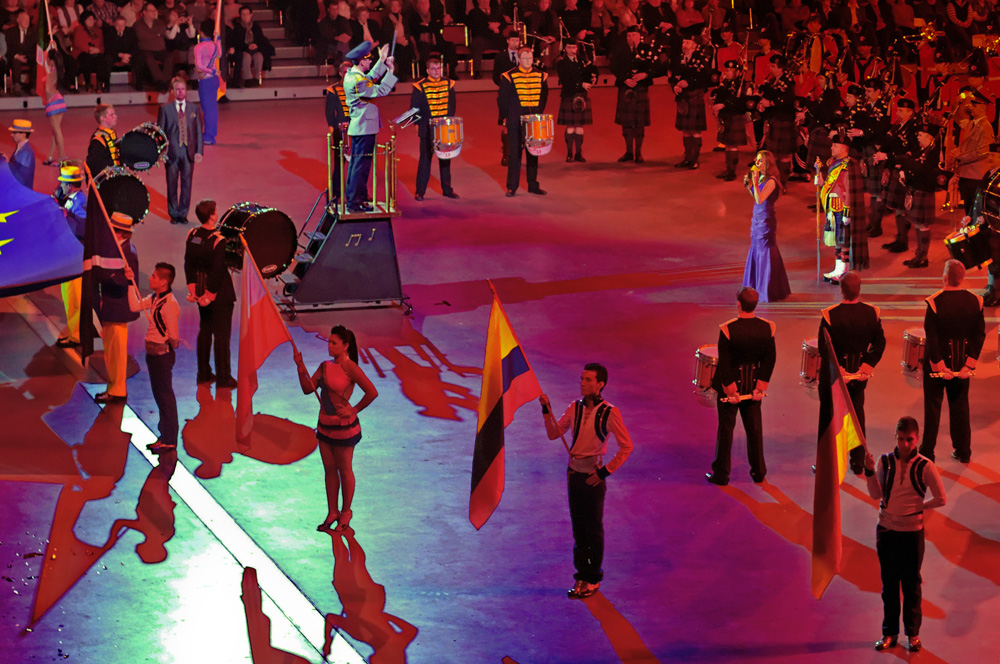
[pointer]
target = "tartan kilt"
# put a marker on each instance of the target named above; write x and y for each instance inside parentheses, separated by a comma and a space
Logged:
(633, 113)
(895, 196)
(733, 130)
(873, 177)
(781, 137)
(569, 116)
(695, 119)
(922, 208)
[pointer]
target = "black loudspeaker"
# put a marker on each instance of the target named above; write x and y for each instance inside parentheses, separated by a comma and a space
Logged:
(357, 263)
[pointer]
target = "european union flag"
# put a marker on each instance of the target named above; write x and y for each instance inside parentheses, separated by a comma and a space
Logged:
(37, 248)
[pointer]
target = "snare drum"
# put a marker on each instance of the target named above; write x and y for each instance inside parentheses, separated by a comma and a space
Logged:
(143, 147)
(914, 349)
(448, 137)
(122, 191)
(270, 234)
(970, 246)
(809, 371)
(539, 132)
(706, 362)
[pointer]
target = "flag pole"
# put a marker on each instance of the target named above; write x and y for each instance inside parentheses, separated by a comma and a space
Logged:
(104, 211)
(526, 361)
(246, 249)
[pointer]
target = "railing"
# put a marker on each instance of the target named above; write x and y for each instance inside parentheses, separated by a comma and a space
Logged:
(383, 193)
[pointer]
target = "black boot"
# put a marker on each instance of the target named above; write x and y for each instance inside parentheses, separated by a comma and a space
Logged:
(579, 149)
(732, 161)
(875, 214)
(503, 148)
(638, 148)
(901, 243)
(629, 155)
(569, 146)
(686, 162)
(923, 245)
(695, 152)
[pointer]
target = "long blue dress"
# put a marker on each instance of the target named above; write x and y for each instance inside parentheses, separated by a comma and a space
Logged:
(765, 271)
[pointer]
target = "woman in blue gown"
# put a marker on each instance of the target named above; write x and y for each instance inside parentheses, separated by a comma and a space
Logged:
(765, 272)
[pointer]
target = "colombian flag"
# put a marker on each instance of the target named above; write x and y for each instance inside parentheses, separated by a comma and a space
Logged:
(839, 433)
(261, 331)
(508, 384)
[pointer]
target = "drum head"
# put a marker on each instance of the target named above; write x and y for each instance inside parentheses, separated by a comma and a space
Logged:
(123, 192)
(269, 233)
(139, 151)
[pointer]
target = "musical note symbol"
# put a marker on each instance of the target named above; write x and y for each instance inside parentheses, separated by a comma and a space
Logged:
(357, 239)
(372, 236)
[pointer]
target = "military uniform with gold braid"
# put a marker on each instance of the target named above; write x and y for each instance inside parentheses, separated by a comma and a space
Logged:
(103, 150)
(521, 93)
(338, 114)
(436, 99)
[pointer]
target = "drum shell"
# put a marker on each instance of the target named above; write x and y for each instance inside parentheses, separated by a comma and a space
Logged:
(539, 133)
(706, 363)
(970, 246)
(123, 191)
(269, 233)
(809, 370)
(143, 147)
(449, 135)
(914, 350)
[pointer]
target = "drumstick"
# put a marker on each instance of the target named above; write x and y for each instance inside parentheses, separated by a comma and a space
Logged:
(742, 397)
(941, 374)
(856, 376)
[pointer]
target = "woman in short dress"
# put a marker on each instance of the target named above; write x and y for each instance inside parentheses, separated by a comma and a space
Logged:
(765, 271)
(338, 430)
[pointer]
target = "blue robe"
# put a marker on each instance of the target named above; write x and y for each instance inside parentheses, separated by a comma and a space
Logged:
(22, 165)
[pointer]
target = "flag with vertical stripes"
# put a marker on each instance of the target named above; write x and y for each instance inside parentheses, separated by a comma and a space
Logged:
(839, 433)
(508, 384)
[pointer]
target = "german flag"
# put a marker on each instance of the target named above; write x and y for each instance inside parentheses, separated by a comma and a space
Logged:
(508, 384)
(839, 433)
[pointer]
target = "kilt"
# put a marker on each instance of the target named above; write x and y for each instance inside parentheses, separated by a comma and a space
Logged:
(873, 174)
(780, 136)
(733, 130)
(633, 113)
(694, 119)
(895, 196)
(569, 116)
(922, 208)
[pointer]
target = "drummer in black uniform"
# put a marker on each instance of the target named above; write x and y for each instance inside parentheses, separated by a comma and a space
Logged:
(691, 76)
(523, 91)
(855, 330)
(955, 329)
(434, 96)
(632, 64)
(898, 144)
(503, 62)
(211, 287)
(730, 106)
(576, 78)
(746, 360)
(103, 149)
(922, 178)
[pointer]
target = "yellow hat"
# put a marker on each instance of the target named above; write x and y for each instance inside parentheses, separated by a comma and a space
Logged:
(23, 126)
(121, 222)
(70, 174)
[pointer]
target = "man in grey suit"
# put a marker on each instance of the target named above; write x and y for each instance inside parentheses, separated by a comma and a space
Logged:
(180, 120)
(361, 87)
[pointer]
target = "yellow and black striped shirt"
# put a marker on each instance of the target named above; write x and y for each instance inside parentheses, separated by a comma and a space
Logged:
(110, 140)
(528, 85)
(437, 92)
(339, 91)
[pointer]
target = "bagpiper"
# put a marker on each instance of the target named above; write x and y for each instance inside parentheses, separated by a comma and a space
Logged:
(691, 76)
(730, 107)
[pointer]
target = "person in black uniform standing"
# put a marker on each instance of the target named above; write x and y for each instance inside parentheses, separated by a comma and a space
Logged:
(691, 76)
(632, 65)
(576, 78)
(211, 287)
(503, 62)
(921, 176)
(955, 329)
(434, 95)
(898, 144)
(730, 106)
(855, 330)
(523, 91)
(103, 149)
(746, 360)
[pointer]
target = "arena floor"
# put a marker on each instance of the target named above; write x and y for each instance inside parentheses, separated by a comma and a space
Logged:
(634, 266)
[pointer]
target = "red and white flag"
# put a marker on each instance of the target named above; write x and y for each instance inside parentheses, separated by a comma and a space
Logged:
(261, 331)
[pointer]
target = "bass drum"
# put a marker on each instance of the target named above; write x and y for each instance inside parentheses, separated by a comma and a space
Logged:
(143, 147)
(269, 233)
(122, 191)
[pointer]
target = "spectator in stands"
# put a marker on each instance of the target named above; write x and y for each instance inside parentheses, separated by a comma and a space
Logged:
(230, 12)
(170, 5)
(199, 11)
(334, 35)
(576, 20)
(395, 22)
(21, 40)
(249, 48)
(363, 27)
(793, 16)
(132, 12)
(180, 38)
(8, 14)
(958, 28)
(425, 26)
(88, 51)
(302, 18)
(485, 33)
(105, 13)
(120, 44)
(155, 61)
(601, 25)
(688, 15)
(544, 23)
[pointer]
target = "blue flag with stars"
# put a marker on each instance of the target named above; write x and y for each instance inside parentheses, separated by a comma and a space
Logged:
(37, 248)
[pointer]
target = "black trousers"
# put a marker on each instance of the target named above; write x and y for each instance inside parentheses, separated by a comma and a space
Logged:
(856, 388)
(967, 188)
(515, 146)
(424, 165)
(900, 555)
(215, 323)
(586, 512)
(179, 172)
(161, 370)
(958, 415)
(749, 411)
